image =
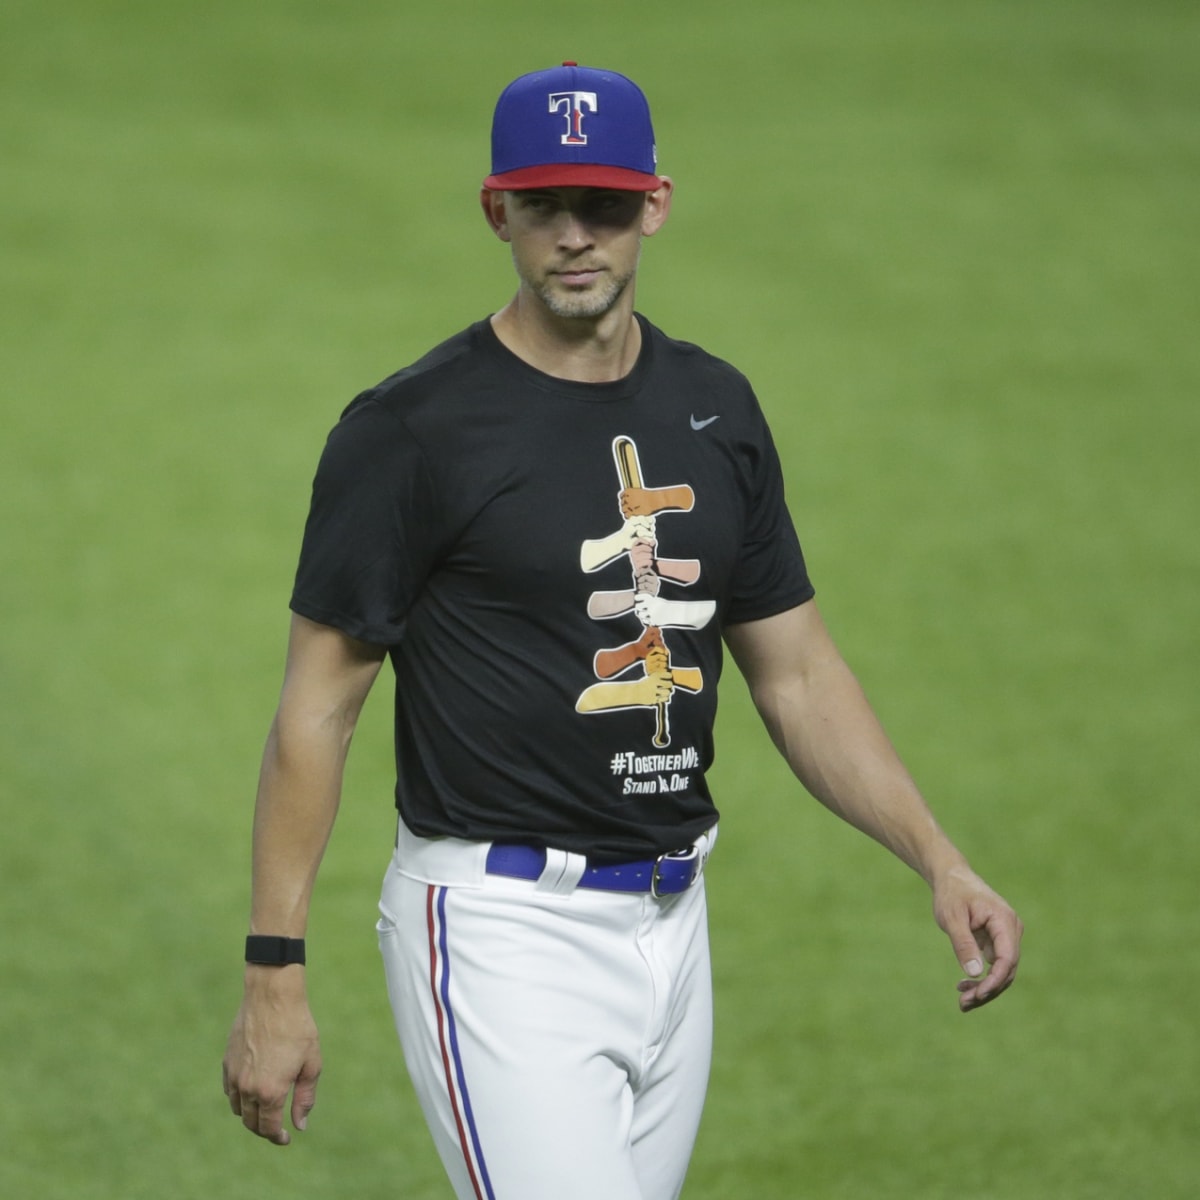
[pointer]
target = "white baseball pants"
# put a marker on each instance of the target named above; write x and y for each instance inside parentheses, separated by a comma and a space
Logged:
(558, 1038)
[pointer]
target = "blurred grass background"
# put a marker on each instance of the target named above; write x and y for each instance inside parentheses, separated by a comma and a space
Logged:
(954, 245)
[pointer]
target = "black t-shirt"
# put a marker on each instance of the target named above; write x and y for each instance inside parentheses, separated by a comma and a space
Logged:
(467, 514)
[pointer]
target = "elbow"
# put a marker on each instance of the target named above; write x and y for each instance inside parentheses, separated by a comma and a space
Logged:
(297, 733)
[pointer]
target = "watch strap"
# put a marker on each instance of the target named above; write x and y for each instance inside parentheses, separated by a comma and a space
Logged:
(270, 951)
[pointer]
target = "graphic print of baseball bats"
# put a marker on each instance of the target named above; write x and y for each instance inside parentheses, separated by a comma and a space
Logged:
(630, 471)
(610, 663)
(599, 552)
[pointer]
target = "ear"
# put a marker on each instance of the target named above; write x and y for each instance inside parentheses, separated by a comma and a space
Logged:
(493, 204)
(658, 206)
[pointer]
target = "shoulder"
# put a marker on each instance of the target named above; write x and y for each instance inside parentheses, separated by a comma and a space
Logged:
(683, 356)
(415, 403)
(446, 369)
(376, 421)
(700, 389)
(689, 379)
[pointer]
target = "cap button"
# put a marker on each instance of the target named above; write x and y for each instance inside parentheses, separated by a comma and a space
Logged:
(570, 64)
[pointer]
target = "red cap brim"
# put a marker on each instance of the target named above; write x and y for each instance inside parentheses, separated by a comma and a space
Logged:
(573, 175)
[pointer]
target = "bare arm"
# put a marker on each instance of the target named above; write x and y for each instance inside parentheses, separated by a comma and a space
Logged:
(822, 723)
(273, 1046)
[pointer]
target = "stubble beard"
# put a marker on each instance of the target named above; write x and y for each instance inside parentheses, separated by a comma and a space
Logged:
(591, 303)
(582, 304)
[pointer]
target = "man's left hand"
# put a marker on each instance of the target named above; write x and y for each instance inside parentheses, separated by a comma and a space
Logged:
(984, 931)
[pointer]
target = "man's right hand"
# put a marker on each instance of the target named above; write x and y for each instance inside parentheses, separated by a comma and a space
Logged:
(273, 1050)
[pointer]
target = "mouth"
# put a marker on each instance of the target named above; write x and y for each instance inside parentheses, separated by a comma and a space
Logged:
(578, 276)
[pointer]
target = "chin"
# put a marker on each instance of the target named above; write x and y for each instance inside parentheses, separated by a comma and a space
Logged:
(581, 306)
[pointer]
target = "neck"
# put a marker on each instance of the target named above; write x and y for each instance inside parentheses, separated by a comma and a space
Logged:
(583, 349)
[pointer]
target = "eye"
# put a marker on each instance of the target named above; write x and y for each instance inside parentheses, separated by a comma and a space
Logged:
(605, 201)
(537, 202)
(613, 207)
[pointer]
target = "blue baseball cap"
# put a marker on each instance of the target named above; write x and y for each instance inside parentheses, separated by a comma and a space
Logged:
(573, 126)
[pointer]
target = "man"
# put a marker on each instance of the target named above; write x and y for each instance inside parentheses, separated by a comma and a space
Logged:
(550, 523)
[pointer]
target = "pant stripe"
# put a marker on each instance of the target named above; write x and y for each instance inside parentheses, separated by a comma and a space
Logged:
(456, 1083)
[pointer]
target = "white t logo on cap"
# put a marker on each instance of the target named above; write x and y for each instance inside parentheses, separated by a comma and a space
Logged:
(572, 105)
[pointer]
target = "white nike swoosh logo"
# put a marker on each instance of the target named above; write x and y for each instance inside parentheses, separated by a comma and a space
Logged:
(707, 421)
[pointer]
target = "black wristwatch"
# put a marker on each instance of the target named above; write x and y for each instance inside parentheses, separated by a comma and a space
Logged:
(274, 951)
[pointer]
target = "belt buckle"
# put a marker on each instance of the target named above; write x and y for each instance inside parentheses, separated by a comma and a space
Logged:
(691, 854)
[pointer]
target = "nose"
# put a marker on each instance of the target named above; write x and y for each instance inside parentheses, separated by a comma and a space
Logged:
(574, 232)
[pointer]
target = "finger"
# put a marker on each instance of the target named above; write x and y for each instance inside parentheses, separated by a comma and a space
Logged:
(966, 948)
(974, 993)
(967, 1002)
(304, 1099)
(279, 1137)
(970, 994)
(266, 1120)
(231, 1092)
(1000, 937)
(249, 1114)
(998, 979)
(1004, 932)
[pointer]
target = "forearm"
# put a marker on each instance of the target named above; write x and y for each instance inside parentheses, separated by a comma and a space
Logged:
(326, 682)
(273, 1046)
(836, 746)
(299, 791)
(822, 723)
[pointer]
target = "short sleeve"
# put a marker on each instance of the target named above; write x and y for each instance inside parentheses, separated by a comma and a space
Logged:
(771, 575)
(370, 539)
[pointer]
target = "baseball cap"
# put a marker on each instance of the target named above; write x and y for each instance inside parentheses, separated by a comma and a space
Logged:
(573, 126)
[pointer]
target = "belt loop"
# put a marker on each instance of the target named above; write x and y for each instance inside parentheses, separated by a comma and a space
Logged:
(562, 872)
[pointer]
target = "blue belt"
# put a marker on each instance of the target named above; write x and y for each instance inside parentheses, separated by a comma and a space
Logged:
(666, 875)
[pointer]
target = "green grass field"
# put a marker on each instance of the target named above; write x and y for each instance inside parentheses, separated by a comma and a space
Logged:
(949, 242)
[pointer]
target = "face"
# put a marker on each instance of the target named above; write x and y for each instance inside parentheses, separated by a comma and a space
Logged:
(576, 249)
